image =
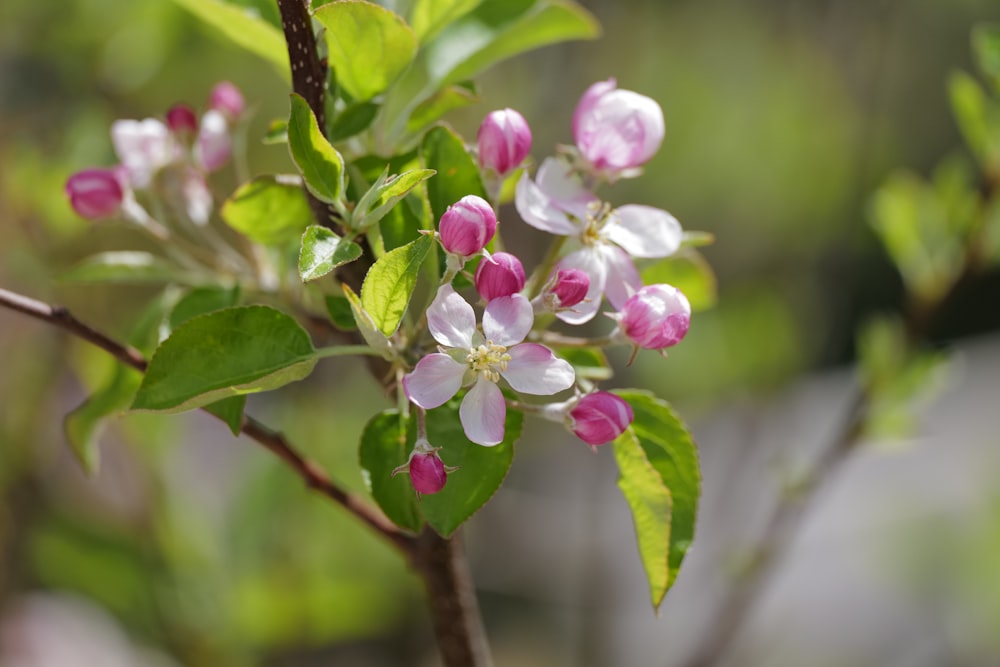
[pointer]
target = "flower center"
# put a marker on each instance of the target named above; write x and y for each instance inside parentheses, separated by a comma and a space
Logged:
(597, 215)
(488, 360)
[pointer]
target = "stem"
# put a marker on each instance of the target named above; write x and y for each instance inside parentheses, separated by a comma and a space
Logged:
(559, 340)
(542, 271)
(344, 350)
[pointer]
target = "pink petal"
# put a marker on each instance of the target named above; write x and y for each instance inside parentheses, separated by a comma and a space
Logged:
(584, 108)
(144, 147)
(556, 179)
(591, 262)
(436, 378)
(539, 210)
(451, 319)
(508, 319)
(214, 145)
(622, 277)
(482, 413)
(644, 231)
(534, 369)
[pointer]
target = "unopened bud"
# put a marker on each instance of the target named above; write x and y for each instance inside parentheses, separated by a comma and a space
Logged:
(96, 194)
(600, 417)
(570, 287)
(215, 145)
(182, 120)
(228, 99)
(467, 226)
(617, 129)
(504, 141)
(655, 317)
(499, 274)
(428, 473)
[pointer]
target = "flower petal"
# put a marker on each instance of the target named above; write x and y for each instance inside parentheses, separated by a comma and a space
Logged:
(482, 413)
(508, 319)
(534, 369)
(644, 231)
(622, 277)
(539, 210)
(557, 180)
(451, 319)
(436, 378)
(592, 263)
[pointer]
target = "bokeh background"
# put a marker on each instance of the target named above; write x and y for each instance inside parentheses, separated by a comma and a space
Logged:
(783, 116)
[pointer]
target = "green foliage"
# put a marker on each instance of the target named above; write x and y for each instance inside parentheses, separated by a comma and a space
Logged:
(268, 211)
(369, 46)
(661, 481)
(323, 251)
(351, 120)
(128, 266)
(589, 363)
(690, 273)
(385, 445)
(986, 47)
(321, 165)
(458, 174)
(384, 194)
(226, 353)
(978, 117)
(339, 310)
(435, 107)
(82, 425)
(377, 340)
(430, 16)
(390, 282)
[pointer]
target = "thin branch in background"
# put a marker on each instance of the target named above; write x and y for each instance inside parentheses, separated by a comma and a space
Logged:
(314, 476)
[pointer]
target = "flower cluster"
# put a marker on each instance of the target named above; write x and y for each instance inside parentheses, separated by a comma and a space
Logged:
(616, 131)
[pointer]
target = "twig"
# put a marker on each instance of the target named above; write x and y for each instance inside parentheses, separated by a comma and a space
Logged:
(314, 477)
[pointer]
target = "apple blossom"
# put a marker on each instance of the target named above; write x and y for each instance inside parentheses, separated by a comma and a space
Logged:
(617, 130)
(605, 238)
(499, 274)
(144, 147)
(467, 226)
(182, 120)
(214, 144)
(227, 99)
(566, 288)
(96, 194)
(428, 473)
(599, 417)
(504, 140)
(481, 359)
(655, 317)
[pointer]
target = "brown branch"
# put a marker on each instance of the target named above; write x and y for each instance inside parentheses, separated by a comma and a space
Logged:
(314, 477)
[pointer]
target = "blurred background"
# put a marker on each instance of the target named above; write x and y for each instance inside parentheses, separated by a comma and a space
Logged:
(783, 117)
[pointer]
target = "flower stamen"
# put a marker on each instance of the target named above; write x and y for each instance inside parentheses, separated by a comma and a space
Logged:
(488, 360)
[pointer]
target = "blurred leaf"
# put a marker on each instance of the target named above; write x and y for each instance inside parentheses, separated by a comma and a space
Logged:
(457, 172)
(230, 411)
(268, 211)
(440, 103)
(353, 119)
(986, 46)
(277, 132)
(128, 266)
(664, 517)
(588, 362)
(245, 28)
(978, 117)
(321, 165)
(369, 46)
(339, 310)
(83, 425)
(385, 194)
(226, 353)
(384, 447)
(366, 325)
(323, 251)
(689, 272)
(389, 284)
(481, 470)
(430, 16)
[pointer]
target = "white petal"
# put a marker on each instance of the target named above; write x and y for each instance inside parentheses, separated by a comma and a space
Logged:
(451, 319)
(197, 197)
(508, 319)
(622, 277)
(482, 413)
(556, 179)
(144, 147)
(534, 369)
(591, 262)
(644, 231)
(538, 210)
(436, 378)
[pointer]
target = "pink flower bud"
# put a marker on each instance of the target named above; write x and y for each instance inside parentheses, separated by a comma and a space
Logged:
(96, 194)
(499, 274)
(570, 287)
(182, 120)
(655, 317)
(617, 129)
(427, 472)
(504, 141)
(214, 145)
(467, 226)
(228, 99)
(600, 417)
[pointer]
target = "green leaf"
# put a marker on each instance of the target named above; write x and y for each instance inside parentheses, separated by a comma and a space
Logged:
(430, 16)
(970, 106)
(986, 46)
(352, 120)
(589, 362)
(268, 211)
(226, 353)
(321, 165)
(127, 266)
(385, 194)
(442, 102)
(339, 310)
(667, 446)
(389, 284)
(369, 46)
(385, 446)
(323, 251)
(230, 411)
(376, 340)
(245, 28)
(480, 472)
(277, 132)
(82, 426)
(689, 272)
(458, 174)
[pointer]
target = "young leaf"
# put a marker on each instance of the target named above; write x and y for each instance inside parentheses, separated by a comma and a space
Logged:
(352, 120)
(245, 28)
(385, 446)
(83, 425)
(666, 446)
(369, 46)
(230, 411)
(971, 108)
(430, 16)
(377, 340)
(385, 194)
(226, 353)
(389, 284)
(458, 174)
(480, 472)
(268, 211)
(127, 266)
(339, 310)
(440, 103)
(689, 272)
(986, 46)
(323, 251)
(277, 132)
(321, 165)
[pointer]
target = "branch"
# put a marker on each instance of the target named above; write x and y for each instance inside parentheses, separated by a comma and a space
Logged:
(314, 476)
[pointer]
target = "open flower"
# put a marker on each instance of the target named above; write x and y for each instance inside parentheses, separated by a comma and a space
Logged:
(606, 238)
(481, 359)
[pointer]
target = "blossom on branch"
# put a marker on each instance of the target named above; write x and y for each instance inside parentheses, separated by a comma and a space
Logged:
(655, 317)
(616, 130)
(504, 140)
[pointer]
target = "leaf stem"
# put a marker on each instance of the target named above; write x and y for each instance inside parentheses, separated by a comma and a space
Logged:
(344, 350)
